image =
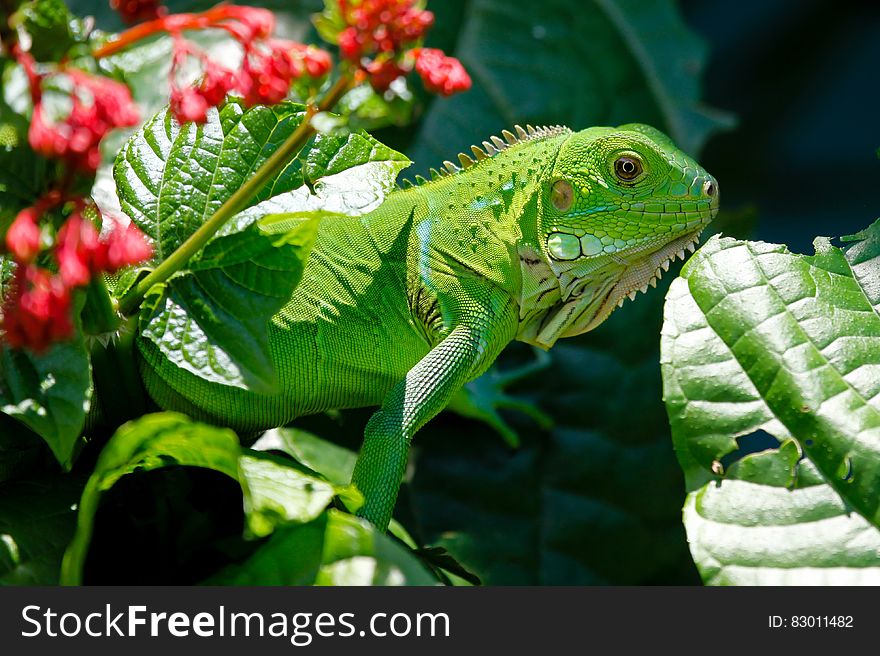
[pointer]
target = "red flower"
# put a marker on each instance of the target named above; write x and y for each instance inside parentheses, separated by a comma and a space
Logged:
(380, 34)
(191, 103)
(37, 311)
(317, 62)
(266, 76)
(125, 245)
(187, 104)
(381, 26)
(134, 11)
(216, 83)
(382, 73)
(98, 106)
(79, 251)
(351, 44)
(23, 236)
(441, 74)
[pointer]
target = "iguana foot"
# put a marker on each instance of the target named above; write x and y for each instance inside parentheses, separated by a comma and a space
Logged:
(482, 398)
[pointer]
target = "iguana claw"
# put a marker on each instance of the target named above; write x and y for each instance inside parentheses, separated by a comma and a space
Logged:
(482, 398)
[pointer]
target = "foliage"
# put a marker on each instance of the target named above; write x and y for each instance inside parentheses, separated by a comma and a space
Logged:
(760, 339)
(768, 357)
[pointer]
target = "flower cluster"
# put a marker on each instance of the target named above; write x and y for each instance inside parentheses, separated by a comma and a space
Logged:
(268, 67)
(37, 310)
(381, 26)
(440, 73)
(380, 38)
(97, 105)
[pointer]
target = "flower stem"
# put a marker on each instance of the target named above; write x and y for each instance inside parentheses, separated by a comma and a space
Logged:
(132, 300)
(138, 32)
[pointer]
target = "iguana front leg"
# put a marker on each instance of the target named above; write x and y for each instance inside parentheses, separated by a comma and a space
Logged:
(427, 388)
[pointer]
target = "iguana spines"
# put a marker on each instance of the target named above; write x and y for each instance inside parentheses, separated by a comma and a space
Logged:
(489, 148)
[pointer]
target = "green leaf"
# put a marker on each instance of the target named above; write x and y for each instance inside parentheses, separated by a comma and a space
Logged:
(863, 253)
(355, 553)
(762, 529)
(48, 22)
(606, 62)
(213, 320)
(291, 556)
(151, 442)
(335, 153)
(37, 520)
(49, 393)
(333, 462)
(7, 271)
(170, 179)
(275, 493)
(757, 338)
(334, 549)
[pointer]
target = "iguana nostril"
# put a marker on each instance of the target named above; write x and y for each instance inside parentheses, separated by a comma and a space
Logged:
(710, 188)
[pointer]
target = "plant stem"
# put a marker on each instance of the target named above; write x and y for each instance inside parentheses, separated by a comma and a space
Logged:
(130, 36)
(131, 301)
(98, 315)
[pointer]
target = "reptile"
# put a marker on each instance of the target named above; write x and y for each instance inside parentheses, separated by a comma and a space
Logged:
(538, 234)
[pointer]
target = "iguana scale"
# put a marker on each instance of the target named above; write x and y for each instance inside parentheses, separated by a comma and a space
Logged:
(539, 235)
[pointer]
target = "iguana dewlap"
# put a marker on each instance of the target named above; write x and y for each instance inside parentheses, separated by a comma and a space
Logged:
(538, 236)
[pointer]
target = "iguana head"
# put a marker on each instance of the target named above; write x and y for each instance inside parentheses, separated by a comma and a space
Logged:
(615, 208)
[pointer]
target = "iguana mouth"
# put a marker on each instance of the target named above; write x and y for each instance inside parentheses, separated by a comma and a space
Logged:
(591, 297)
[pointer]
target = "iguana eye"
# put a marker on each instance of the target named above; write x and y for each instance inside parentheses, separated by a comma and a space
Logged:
(562, 195)
(627, 168)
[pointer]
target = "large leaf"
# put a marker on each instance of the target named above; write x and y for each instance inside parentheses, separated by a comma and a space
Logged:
(274, 492)
(772, 521)
(49, 393)
(334, 549)
(599, 62)
(154, 441)
(757, 338)
(277, 493)
(170, 179)
(213, 320)
(333, 462)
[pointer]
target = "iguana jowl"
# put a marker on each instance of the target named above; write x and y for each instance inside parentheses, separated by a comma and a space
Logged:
(540, 236)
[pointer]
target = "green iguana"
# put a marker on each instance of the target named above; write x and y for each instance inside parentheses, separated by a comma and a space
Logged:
(539, 236)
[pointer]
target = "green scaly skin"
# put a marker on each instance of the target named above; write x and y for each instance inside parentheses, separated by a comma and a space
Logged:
(403, 306)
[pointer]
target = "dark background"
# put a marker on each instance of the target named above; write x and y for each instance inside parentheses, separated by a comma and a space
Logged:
(802, 78)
